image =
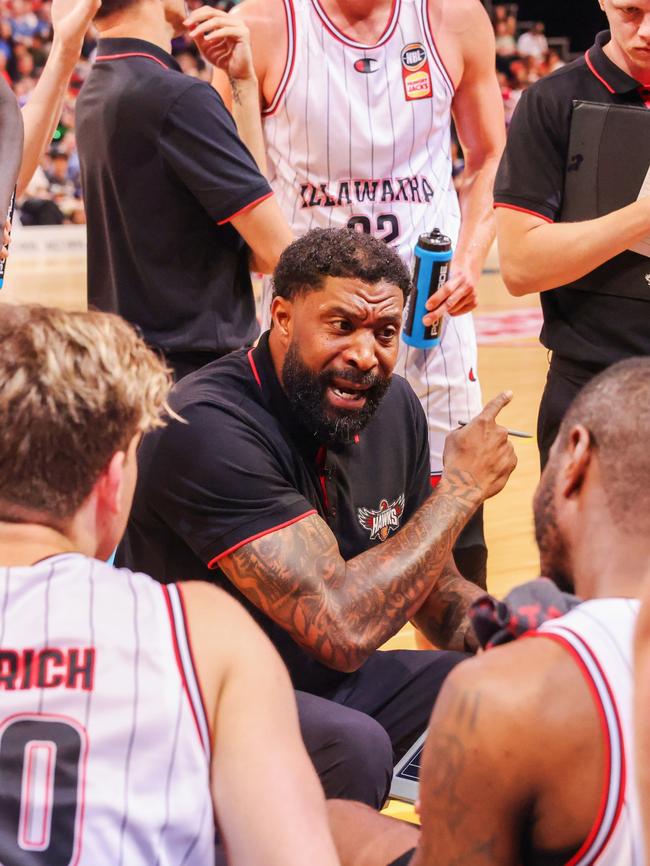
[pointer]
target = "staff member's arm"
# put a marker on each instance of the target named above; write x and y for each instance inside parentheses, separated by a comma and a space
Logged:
(70, 21)
(536, 252)
(465, 29)
(260, 770)
(342, 611)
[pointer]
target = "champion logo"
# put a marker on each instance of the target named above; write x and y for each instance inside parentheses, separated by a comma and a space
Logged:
(381, 522)
(366, 65)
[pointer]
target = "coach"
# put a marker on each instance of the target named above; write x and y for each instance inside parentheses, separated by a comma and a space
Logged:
(301, 484)
(172, 195)
(586, 328)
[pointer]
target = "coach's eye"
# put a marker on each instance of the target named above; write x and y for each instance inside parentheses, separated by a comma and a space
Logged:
(342, 325)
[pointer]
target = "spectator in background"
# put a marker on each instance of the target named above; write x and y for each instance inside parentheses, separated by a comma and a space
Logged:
(533, 42)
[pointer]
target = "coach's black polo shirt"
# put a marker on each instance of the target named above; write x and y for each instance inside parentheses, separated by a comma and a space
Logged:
(592, 329)
(243, 466)
(163, 171)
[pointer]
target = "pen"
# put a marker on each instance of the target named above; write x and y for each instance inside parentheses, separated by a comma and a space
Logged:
(518, 433)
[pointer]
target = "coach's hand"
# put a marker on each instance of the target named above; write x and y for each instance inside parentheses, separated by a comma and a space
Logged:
(224, 41)
(481, 452)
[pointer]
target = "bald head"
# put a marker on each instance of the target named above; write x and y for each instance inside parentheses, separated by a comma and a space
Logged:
(615, 408)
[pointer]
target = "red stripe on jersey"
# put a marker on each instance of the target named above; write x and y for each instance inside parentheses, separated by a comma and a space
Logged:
(597, 825)
(435, 480)
(204, 705)
(599, 77)
(522, 210)
(437, 57)
(132, 54)
(290, 62)
(246, 208)
(179, 661)
(213, 562)
(347, 40)
(251, 361)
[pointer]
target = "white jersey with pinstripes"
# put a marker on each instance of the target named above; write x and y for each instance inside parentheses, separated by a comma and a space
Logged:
(360, 135)
(599, 634)
(104, 743)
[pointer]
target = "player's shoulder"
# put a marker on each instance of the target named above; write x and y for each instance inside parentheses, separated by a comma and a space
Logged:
(521, 680)
(460, 19)
(266, 16)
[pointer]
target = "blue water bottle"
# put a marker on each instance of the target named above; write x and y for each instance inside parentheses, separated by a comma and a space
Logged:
(432, 259)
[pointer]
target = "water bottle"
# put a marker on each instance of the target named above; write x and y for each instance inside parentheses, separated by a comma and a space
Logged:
(432, 259)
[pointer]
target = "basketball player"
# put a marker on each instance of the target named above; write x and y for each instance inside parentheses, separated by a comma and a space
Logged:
(642, 702)
(529, 758)
(357, 98)
(111, 739)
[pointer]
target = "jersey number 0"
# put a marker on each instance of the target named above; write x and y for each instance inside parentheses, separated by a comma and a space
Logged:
(41, 759)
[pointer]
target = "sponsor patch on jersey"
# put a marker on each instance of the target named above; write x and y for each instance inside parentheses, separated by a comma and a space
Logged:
(384, 520)
(416, 73)
(367, 65)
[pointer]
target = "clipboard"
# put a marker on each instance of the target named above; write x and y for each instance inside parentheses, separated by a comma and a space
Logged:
(607, 168)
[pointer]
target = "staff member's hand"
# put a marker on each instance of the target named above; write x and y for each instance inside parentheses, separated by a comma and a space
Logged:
(6, 237)
(224, 41)
(481, 451)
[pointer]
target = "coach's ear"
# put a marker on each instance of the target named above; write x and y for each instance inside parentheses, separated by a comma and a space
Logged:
(577, 460)
(281, 318)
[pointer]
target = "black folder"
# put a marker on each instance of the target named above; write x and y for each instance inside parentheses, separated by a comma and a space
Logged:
(607, 163)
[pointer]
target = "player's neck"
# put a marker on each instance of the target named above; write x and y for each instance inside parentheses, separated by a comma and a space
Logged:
(27, 543)
(363, 20)
(612, 568)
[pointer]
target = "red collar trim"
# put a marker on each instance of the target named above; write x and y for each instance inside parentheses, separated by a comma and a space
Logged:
(132, 54)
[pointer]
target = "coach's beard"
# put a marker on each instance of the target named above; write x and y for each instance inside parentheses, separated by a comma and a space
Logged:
(308, 395)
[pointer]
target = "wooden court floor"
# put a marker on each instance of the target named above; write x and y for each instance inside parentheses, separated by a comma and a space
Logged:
(510, 357)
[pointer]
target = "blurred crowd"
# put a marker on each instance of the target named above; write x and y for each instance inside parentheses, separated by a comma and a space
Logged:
(523, 54)
(54, 195)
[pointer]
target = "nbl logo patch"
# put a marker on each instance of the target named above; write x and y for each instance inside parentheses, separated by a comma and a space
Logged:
(416, 73)
(384, 520)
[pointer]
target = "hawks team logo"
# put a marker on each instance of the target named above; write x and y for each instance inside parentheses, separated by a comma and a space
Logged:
(416, 73)
(384, 521)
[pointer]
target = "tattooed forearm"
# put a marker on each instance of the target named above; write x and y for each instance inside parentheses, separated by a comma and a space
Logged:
(443, 617)
(340, 610)
(236, 93)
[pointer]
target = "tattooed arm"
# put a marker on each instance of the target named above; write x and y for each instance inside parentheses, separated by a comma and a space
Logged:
(342, 611)
(442, 618)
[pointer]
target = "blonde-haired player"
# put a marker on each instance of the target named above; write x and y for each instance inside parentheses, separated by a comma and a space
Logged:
(130, 712)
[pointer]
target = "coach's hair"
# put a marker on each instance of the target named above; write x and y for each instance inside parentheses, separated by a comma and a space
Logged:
(615, 408)
(110, 7)
(306, 263)
(74, 389)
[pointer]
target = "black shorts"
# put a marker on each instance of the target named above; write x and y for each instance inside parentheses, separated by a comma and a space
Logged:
(404, 860)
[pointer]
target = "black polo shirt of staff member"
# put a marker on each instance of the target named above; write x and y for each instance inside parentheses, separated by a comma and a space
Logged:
(244, 467)
(589, 330)
(163, 173)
